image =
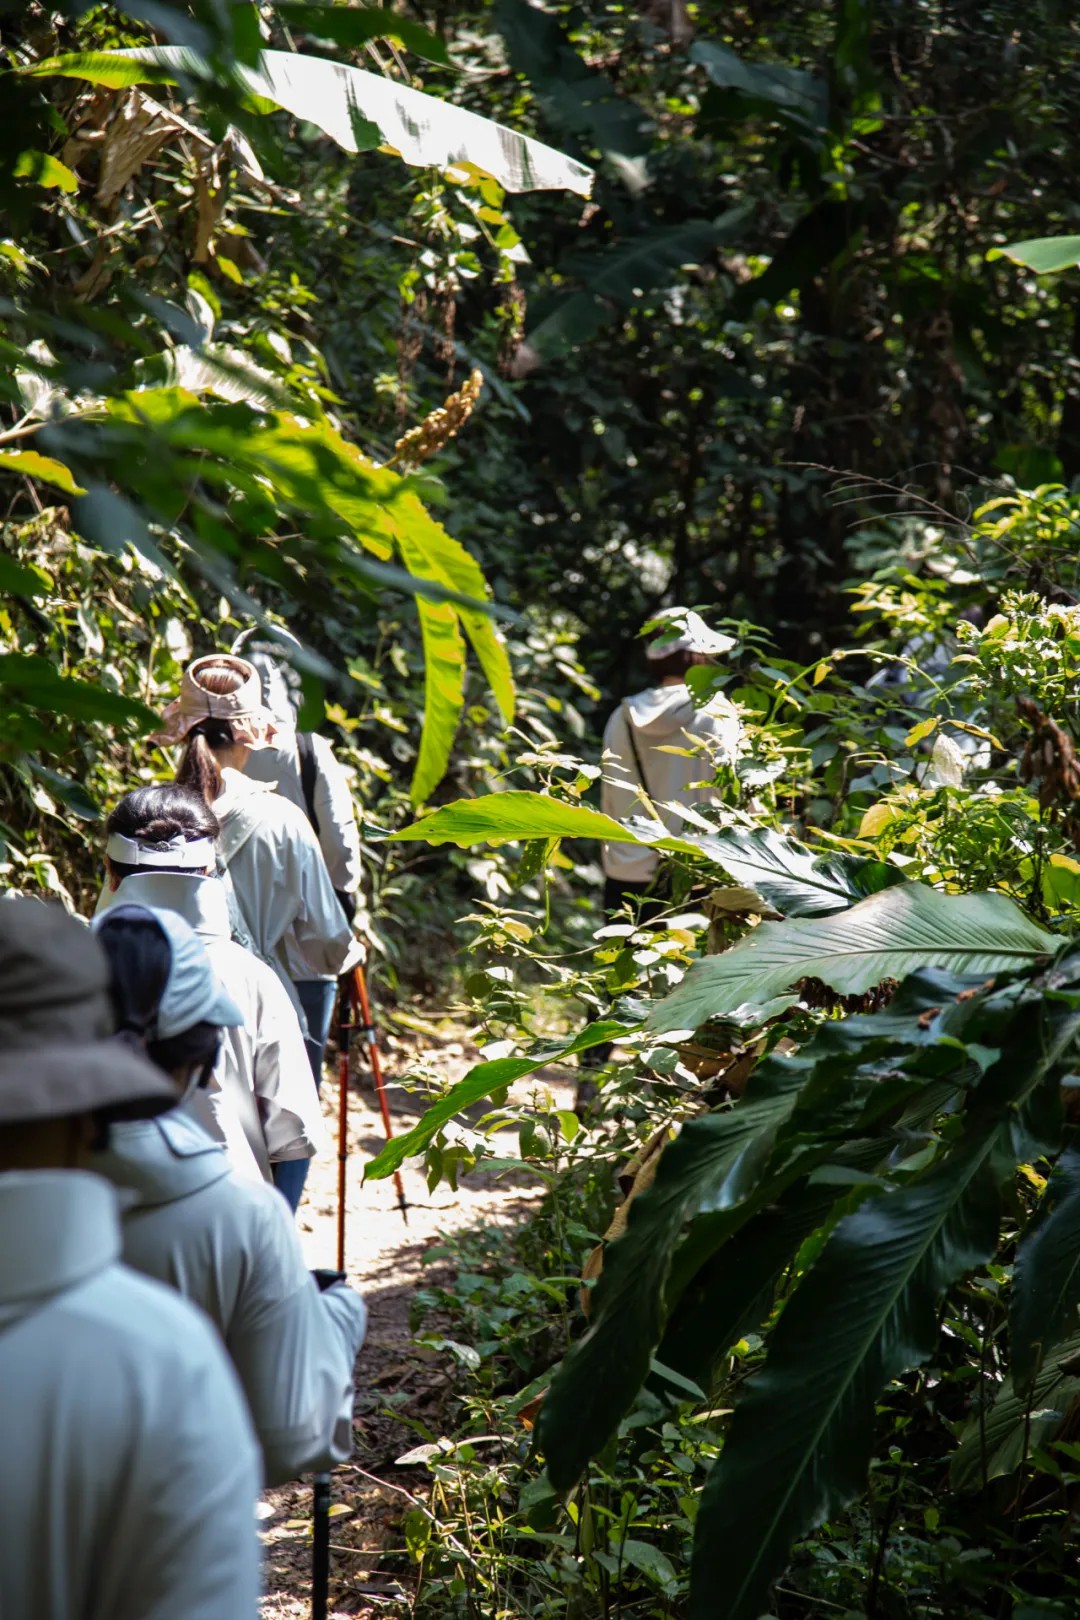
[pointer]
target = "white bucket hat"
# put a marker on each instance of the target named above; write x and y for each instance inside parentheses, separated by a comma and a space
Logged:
(193, 994)
(680, 629)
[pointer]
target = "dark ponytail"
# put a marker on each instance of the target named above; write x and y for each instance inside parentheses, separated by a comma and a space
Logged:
(140, 960)
(199, 769)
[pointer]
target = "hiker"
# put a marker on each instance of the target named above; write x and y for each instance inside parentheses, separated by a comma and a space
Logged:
(261, 1101)
(191, 1222)
(129, 1474)
(304, 768)
(637, 762)
(283, 891)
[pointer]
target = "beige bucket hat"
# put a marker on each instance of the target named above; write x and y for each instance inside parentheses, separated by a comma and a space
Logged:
(251, 721)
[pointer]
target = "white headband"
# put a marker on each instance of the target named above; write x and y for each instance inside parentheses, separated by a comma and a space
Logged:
(193, 856)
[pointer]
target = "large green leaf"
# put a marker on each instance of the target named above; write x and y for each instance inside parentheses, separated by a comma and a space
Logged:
(1046, 1280)
(355, 25)
(866, 1311)
(997, 1442)
(801, 1436)
(788, 92)
(792, 878)
(887, 936)
(480, 1082)
(616, 277)
(1043, 254)
(39, 684)
(444, 695)
(358, 110)
(714, 1163)
(497, 818)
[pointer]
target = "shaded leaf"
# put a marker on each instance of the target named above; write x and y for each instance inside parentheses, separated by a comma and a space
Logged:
(1016, 1423)
(792, 878)
(1046, 1280)
(711, 1165)
(792, 93)
(801, 1437)
(887, 936)
(355, 25)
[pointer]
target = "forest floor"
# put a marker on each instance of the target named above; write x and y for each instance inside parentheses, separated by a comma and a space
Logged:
(385, 1260)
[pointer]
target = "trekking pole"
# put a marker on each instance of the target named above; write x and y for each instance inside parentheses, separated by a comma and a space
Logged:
(367, 1027)
(320, 1547)
(346, 1025)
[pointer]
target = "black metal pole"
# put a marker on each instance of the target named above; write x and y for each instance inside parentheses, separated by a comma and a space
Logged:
(320, 1547)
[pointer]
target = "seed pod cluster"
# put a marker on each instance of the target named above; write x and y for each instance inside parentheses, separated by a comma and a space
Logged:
(440, 427)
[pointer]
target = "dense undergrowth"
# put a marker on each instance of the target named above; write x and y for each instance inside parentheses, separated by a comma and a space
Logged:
(795, 1330)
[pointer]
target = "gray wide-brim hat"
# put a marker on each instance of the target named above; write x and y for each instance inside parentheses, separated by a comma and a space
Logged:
(58, 1056)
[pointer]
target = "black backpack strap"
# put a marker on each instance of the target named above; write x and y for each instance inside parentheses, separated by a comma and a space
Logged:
(309, 770)
(634, 750)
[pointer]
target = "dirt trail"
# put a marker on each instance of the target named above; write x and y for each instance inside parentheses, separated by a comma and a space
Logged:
(384, 1260)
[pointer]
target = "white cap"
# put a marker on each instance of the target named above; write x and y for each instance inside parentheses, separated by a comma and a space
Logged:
(193, 994)
(679, 629)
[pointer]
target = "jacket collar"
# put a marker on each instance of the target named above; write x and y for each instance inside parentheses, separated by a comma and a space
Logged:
(60, 1227)
(158, 1161)
(201, 901)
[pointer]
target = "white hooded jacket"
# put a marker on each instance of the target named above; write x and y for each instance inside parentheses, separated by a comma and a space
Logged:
(338, 835)
(281, 881)
(129, 1473)
(262, 1103)
(660, 718)
(232, 1248)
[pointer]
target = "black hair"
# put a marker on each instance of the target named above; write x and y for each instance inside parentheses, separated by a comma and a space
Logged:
(675, 663)
(199, 769)
(157, 814)
(140, 961)
(197, 1046)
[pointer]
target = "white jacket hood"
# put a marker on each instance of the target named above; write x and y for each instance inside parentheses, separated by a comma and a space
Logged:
(661, 711)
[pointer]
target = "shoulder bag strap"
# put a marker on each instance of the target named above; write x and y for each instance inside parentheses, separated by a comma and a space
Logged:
(639, 767)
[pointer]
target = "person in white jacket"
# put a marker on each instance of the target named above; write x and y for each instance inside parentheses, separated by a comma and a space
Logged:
(261, 1102)
(640, 776)
(226, 1244)
(303, 766)
(288, 908)
(129, 1473)
(283, 889)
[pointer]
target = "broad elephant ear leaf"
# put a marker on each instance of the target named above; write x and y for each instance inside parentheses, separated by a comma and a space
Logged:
(887, 936)
(1046, 1279)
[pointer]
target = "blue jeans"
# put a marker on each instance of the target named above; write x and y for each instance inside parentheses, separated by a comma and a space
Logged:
(317, 999)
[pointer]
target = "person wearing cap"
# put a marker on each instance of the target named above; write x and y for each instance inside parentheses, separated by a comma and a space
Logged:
(226, 1244)
(286, 899)
(261, 1102)
(129, 1473)
(641, 776)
